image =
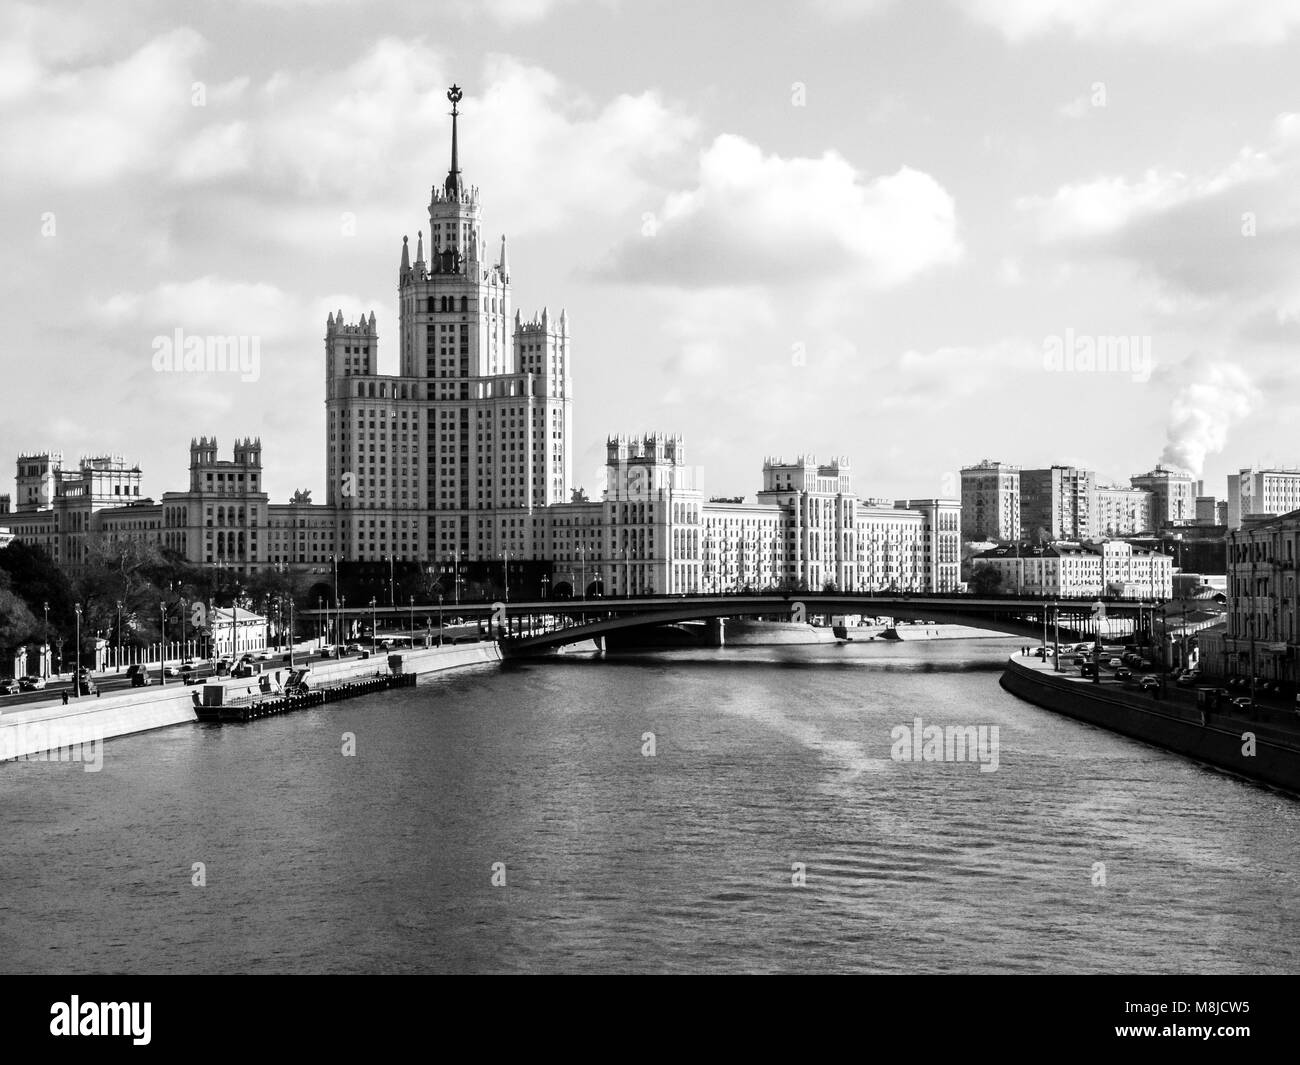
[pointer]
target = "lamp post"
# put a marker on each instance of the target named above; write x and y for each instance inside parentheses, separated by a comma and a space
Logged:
(412, 609)
(320, 620)
(76, 677)
(118, 656)
(373, 603)
(291, 632)
(440, 617)
(505, 569)
(343, 615)
(162, 645)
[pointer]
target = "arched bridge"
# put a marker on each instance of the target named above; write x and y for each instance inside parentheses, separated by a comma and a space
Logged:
(538, 627)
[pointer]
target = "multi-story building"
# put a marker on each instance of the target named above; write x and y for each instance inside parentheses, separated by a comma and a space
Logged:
(1257, 493)
(1065, 568)
(458, 453)
(990, 501)
(1173, 496)
(57, 505)
(1263, 633)
(1121, 511)
(1057, 501)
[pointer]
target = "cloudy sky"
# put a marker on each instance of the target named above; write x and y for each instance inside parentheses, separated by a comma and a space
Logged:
(888, 230)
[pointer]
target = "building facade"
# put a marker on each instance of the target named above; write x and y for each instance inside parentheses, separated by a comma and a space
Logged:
(1057, 501)
(1262, 638)
(990, 501)
(457, 454)
(1173, 496)
(1120, 511)
(1259, 493)
(1065, 568)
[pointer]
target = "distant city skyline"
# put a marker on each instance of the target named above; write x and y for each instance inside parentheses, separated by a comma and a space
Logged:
(777, 229)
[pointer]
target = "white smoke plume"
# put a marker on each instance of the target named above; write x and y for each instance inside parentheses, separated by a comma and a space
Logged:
(1215, 396)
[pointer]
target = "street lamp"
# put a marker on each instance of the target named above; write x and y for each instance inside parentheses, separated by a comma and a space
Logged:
(162, 645)
(373, 623)
(439, 617)
(291, 632)
(343, 615)
(76, 677)
(412, 609)
(118, 656)
(505, 569)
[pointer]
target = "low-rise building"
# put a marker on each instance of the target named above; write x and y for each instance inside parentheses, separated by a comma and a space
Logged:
(1073, 569)
(1264, 599)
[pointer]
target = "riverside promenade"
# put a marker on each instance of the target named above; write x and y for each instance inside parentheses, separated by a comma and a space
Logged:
(49, 726)
(1262, 745)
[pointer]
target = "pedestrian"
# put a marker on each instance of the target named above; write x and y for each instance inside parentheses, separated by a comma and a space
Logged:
(65, 698)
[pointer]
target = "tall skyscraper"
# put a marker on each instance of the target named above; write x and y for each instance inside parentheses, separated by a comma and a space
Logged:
(456, 455)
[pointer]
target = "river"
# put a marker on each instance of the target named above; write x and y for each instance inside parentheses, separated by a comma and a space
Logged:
(712, 810)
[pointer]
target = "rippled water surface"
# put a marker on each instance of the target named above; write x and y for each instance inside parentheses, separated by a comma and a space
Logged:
(614, 860)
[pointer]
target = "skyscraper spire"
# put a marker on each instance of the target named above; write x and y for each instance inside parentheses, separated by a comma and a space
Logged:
(452, 186)
(504, 265)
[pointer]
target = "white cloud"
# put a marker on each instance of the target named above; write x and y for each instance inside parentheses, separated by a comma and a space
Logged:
(755, 218)
(1202, 24)
(95, 124)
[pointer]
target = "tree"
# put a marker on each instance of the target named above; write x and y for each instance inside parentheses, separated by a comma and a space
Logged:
(986, 580)
(36, 580)
(17, 623)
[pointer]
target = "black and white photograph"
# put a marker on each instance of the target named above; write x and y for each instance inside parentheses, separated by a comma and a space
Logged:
(625, 487)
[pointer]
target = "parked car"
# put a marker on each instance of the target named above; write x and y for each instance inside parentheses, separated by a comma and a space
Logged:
(138, 675)
(1149, 683)
(1143, 664)
(1243, 702)
(31, 684)
(1114, 663)
(9, 686)
(1188, 679)
(171, 671)
(1088, 669)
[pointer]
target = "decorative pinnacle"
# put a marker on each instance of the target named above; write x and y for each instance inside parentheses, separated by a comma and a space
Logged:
(452, 185)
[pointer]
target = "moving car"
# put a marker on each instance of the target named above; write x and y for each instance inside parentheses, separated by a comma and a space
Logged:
(1149, 683)
(9, 686)
(1123, 673)
(31, 684)
(1243, 702)
(139, 675)
(1114, 663)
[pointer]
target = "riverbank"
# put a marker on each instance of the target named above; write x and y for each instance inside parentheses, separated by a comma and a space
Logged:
(44, 727)
(1260, 750)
